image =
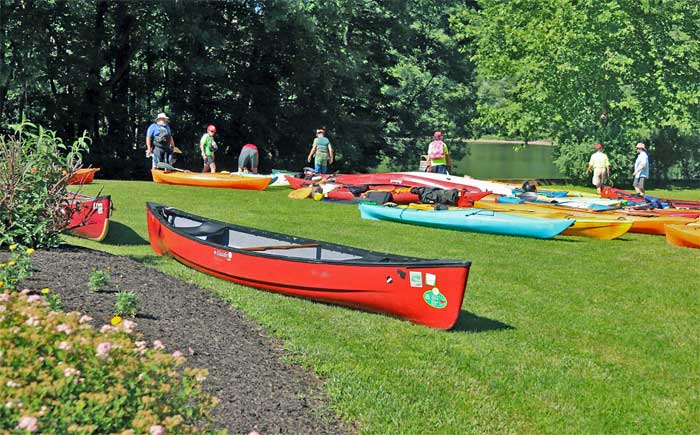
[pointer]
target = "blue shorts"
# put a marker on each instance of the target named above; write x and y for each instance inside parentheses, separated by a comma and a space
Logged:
(439, 169)
(320, 169)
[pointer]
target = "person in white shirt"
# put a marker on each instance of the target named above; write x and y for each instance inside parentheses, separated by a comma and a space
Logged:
(641, 169)
(600, 165)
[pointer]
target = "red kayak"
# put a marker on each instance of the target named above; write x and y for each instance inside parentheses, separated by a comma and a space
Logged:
(426, 292)
(613, 193)
(381, 179)
(90, 216)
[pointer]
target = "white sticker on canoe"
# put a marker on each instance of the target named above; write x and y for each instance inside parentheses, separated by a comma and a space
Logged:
(416, 279)
(98, 206)
(430, 279)
(223, 254)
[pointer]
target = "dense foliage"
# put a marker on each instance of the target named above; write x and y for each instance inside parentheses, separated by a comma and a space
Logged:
(617, 72)
(35, 166)
(60, 375)
(267, 72)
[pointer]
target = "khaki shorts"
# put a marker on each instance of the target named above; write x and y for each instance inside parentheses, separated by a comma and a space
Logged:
(600, 176)
(639, 183)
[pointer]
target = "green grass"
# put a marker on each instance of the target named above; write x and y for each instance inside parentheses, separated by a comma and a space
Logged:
(575, 336)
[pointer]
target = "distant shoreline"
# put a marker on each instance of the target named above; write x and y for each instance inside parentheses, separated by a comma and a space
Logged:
(514, 142)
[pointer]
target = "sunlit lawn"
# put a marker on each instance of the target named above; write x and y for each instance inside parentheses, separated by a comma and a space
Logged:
(566, 336)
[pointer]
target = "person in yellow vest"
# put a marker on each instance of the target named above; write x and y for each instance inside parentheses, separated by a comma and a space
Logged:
(600, 165)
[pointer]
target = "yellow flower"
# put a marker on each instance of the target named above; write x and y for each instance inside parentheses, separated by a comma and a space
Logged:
(13, 247)
(30, 251)
(116, 320)
(11, 263)
(2, 284)
(45, 291)
(2, 265)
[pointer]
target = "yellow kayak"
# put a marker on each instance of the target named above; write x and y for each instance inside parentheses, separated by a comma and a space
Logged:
(683, 235)
(217, 179)
(598, 227)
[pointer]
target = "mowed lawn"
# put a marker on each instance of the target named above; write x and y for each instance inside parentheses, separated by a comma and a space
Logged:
(564, 336)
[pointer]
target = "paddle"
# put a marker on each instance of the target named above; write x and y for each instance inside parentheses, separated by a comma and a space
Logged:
(166, 167)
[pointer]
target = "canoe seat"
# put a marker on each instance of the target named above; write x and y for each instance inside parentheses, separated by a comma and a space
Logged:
(207, 228)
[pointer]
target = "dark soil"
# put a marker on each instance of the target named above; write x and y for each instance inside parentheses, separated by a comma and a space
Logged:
(257, 390)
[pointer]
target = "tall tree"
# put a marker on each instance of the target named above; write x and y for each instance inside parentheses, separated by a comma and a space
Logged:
(618, 71)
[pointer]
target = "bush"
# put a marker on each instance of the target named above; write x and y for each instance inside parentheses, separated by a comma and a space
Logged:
(126, 304)
(35, 167)
(59, 375)
(98, 280)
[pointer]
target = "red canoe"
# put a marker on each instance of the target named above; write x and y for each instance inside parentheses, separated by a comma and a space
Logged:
(426, 292)
(83, 176)
(613, 193)
(90, 216)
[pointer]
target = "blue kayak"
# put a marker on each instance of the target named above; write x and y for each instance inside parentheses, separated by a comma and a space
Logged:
(470, 219)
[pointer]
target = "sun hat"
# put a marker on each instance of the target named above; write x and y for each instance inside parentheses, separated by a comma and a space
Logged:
(437, 134)
(162, 115)
(211, 129)
(642, 146)
(598, 146)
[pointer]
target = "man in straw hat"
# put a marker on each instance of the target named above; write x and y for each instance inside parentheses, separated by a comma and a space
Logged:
(641, 169)
(321, 151)
(159, 141)
(600, 165)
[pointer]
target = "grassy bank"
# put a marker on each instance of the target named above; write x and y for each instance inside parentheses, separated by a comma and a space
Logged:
(561, 336)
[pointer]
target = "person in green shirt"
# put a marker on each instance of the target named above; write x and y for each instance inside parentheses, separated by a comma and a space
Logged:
(322, 151)
(207, 146)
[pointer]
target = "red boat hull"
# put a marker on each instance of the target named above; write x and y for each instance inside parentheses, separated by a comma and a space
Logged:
(381, 179)
(90, 216)
(613, 193)
(395, 288)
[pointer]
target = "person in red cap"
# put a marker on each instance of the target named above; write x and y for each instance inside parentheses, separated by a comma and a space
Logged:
(439, 159)
(207, 146)
(600, 165)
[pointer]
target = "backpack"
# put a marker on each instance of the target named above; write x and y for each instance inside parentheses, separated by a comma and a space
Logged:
(436, 149)
(161, 138)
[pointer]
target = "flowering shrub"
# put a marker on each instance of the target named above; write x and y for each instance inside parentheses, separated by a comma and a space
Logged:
(60, 375)
(35, 167)
(16, 269)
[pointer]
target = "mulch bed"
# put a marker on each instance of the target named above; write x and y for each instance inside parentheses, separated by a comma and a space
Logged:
(257, 390)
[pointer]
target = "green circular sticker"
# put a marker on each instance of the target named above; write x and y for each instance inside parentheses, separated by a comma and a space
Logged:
(434, 298)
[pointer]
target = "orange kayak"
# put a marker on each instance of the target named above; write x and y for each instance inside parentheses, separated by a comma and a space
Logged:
(207, 179)
(683, 235)
(83, 176)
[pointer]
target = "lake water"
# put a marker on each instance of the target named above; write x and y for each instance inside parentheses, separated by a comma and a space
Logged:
(503, 161)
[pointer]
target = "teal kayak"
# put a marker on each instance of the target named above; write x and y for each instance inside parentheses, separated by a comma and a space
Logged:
(470, 219)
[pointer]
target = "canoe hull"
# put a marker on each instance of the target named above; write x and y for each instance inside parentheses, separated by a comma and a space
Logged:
(683, 235)
(470, 219)
(218, 180)
(398, 287)
(83, 176)
(89, 217)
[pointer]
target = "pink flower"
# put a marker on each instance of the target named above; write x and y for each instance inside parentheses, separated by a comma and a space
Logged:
(64, 328)
(64, 345)
(70, 371)
(177, 354)
(28, 423)
(255, 432)
(158, 345)
(85, 319)
(157, 429)
(104, 348)
(32, 322)
(33, 298)
(128, 326)
(140, 344)
(40, 359)
(107, 328)
(4, 297)
(12, 384)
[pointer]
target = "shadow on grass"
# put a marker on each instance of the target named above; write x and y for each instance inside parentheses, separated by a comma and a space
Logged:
(120, 234)
(469, 322)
